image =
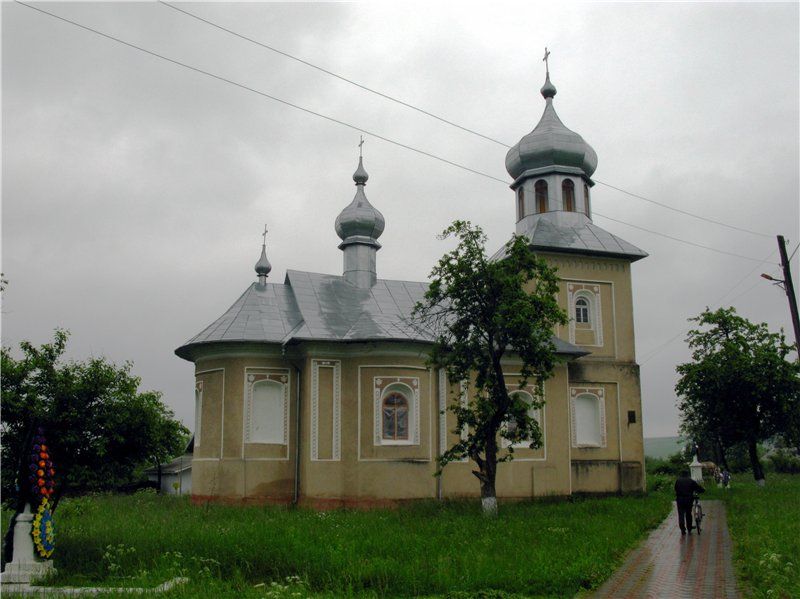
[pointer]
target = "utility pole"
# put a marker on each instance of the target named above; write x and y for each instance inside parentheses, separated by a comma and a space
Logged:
(789, 288)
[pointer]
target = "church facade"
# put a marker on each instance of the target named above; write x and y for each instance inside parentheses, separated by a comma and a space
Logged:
(316, 390)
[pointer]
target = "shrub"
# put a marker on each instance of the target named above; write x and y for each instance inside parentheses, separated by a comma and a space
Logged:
(784, 461)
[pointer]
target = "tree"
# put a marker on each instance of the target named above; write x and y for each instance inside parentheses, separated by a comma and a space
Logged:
(100, 428)
(481, 311)
(739, 387)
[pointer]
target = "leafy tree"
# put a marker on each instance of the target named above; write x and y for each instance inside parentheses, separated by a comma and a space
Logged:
(739, 388)
(482, 311)
(100, 428)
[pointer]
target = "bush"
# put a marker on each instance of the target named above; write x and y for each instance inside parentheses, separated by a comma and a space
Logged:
(785, 461)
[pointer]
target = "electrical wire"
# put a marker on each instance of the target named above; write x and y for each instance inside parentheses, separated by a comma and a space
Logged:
(655, 351)
(332, 74)
(346, 124)
(440, 118)
(692, 243)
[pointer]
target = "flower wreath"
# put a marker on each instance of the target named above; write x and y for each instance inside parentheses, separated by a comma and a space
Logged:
(44, 532)
(42, 481)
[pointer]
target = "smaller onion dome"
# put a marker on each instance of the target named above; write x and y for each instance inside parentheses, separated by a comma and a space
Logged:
(550, 144)
(360, 218)
(263, 267)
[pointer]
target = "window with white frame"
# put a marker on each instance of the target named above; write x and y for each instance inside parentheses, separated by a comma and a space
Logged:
(396, 411)
(582, 310)
(395, 417)
(198, 411)
(266, 422)
(588, 419)
(510, 426)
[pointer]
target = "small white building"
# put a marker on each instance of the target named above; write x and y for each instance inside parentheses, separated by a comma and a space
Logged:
(176, 476)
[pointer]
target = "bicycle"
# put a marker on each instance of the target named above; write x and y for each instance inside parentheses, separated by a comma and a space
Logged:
(697, 513)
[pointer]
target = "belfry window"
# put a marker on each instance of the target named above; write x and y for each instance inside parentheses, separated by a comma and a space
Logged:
(586, 200)
(395, 417)
(582, 310)
(520, 203)
(540, 190)
(568, 190)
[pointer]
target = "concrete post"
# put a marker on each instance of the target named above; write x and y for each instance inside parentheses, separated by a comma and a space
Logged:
(697, 469)
(25, 566)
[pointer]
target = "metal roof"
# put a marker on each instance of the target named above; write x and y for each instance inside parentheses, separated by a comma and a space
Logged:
(583, 238)
(319, 307)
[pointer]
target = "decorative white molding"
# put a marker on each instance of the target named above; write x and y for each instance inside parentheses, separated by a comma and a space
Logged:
(592, 294)
(222, 405)
(442, 412)
(198, 411)
(380, 385)
(336, 437)
(253, 376)
(599, 394)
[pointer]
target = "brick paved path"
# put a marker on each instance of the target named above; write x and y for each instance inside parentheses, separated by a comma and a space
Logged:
(670, 565)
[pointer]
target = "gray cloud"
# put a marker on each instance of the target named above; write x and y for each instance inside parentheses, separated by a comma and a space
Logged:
(134, 191)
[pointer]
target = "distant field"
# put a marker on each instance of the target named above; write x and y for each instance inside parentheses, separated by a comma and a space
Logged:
(662, 447)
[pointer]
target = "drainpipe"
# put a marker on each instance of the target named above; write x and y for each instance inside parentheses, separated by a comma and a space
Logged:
(298, 442)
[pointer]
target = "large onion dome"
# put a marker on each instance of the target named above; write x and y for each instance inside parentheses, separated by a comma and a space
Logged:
(550, 144)
(360, 218)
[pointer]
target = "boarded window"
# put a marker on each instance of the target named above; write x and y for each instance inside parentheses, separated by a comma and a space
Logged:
(588, 422)
(267, 413)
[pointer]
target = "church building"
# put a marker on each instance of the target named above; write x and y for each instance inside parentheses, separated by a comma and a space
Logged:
(316, 390)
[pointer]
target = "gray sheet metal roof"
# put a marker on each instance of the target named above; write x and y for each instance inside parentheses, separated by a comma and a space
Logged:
(585, 239)
(319, 307)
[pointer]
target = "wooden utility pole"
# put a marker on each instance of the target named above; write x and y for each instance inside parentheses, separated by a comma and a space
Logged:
(789, 288)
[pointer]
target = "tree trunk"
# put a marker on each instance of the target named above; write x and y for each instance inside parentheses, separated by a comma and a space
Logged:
(723, 459)
(488, 479)
(758, 470)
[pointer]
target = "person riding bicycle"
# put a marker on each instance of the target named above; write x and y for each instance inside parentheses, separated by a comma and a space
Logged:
(685, 488)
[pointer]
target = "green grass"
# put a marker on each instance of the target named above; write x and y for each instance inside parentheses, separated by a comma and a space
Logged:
(765, 527)
(533, 549)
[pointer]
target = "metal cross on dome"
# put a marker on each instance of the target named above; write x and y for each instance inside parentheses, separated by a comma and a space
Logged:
(546, 56)
(264, 235)
(360, 143)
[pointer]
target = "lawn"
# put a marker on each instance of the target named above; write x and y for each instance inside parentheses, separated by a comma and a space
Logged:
(765, 526)
(533, 549)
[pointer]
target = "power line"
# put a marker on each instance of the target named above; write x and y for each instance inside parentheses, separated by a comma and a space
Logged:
(264, 94)
(439, 118)
(346, 124)
(699, 245)
(678, 210)
(654, 352)
(793, 253)
(332, 74)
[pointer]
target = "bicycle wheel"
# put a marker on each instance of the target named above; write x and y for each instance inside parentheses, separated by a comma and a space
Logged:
(698, 516)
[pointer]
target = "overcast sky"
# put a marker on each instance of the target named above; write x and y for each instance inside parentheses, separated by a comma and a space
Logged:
(134, 191)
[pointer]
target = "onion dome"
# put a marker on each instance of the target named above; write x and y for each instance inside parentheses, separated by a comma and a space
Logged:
(360, 218)
(550, 144)
(263, 267)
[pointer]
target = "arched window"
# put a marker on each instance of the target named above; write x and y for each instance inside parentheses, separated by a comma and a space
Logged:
(568, 191)
(520, 203)
(540, 190)
(586, 200)
(582, 310)
(511, 425)
(267, 412)
(395, 417)
(588, 421)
